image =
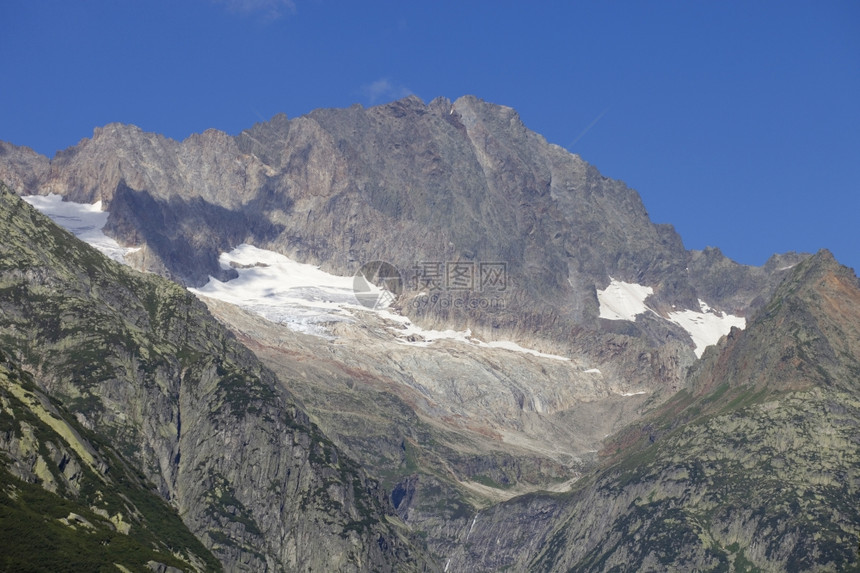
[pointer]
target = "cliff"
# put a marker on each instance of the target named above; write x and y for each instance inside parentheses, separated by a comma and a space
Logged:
(138, 361)
(753, 466)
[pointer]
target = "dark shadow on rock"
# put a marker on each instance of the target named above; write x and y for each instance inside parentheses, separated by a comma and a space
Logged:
(187, 235)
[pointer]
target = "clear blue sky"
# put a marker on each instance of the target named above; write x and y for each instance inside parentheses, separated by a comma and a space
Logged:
(738, 122)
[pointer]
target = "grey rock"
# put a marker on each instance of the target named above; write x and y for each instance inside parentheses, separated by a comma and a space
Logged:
(139, 360)
(720, 475)
(461, 181)
(407, 183)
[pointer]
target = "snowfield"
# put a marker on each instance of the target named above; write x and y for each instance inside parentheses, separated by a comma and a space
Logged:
(626, 301)
(281, 290)
(706, 327)
(308, 300)
(298, 295)
(84, 221)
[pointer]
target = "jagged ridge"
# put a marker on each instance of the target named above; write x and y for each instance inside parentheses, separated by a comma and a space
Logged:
(753, 466)
(407, 183)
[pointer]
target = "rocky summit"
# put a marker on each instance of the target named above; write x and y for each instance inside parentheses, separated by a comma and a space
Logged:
(412, 337)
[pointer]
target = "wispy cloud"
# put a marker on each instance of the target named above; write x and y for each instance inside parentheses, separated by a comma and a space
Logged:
(384, 89)
(270, 9)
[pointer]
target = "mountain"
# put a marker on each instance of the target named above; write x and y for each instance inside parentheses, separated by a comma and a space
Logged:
(120, 390)
(70, 501)
(526, 370)
(753, 466)
(407, 183)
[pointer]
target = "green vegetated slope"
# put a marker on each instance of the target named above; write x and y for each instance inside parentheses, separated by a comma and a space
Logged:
(141, 364)
(68, 502)
(755, 467)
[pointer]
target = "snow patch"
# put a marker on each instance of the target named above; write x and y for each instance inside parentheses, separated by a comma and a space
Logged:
(413, 335)
(307, 299)
(281, 290)
(86, 222)
(410, 333)
(623, 301)
(706, 327)
(514, 347)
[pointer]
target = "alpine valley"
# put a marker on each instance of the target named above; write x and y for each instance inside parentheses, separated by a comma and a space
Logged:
(411, 337)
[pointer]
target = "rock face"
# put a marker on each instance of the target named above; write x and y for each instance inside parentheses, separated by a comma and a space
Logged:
(90, 507)
(754, 465)
(428, 188)
(138, 361)
(408, 183)
(448, 428)
(745, 458)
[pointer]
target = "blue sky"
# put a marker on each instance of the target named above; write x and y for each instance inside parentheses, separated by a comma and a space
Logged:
(737, 122)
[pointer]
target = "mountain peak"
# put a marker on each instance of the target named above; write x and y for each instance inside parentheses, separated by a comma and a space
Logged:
(507, 242)
(807, 334)
(409, 184)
